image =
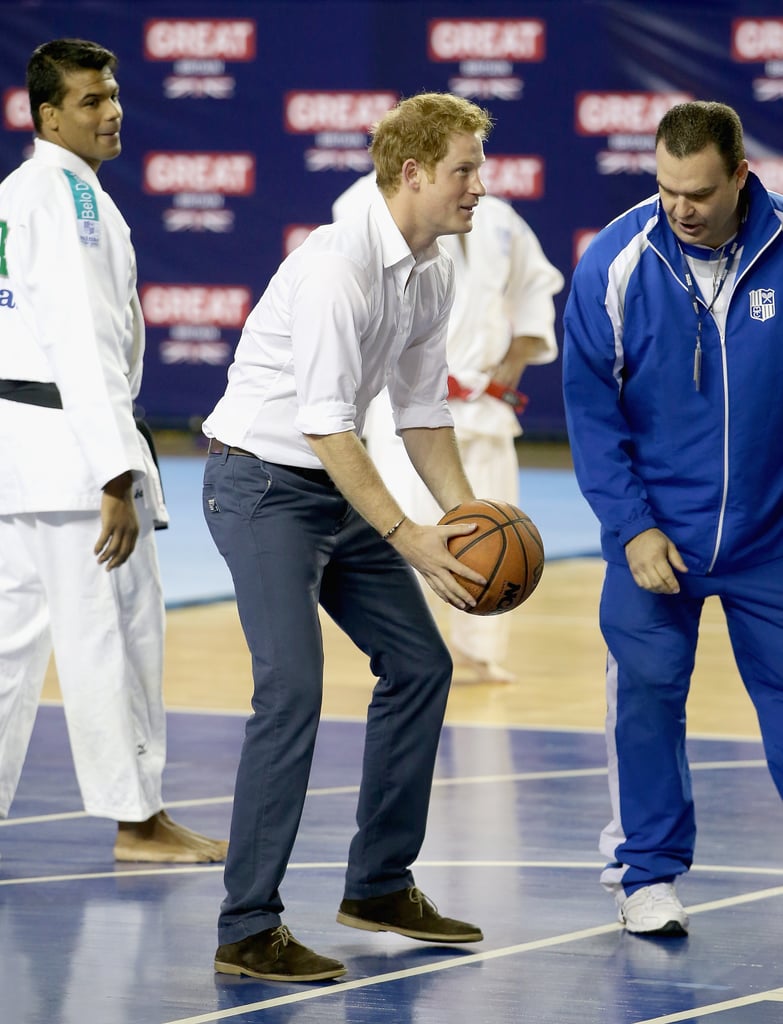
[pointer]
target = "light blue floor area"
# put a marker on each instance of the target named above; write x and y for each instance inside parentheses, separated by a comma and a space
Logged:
(193, 572)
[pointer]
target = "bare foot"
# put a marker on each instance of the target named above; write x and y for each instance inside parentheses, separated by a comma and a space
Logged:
(469, 671)
(159, 840)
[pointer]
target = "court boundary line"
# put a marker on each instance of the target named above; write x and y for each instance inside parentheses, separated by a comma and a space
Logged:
(448, 724)
(772, 995)
(163, 870)
(505, 951)
(555, 774)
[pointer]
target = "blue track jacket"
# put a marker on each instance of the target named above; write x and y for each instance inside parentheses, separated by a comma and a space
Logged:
(704, 465)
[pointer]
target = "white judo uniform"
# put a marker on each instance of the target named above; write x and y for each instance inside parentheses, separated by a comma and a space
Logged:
(504, 289)
(70, 316)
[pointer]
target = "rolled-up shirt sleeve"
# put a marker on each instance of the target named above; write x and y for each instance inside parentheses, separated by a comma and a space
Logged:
(330, 317)
(418, 389)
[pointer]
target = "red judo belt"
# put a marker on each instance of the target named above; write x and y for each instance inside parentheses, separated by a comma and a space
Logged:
(516, 399)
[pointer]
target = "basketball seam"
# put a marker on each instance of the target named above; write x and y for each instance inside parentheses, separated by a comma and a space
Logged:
(497, 519)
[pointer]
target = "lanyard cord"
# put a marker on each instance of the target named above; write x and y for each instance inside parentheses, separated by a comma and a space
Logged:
(716, 290)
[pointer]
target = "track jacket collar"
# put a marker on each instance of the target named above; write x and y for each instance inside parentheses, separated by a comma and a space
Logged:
(761, 225)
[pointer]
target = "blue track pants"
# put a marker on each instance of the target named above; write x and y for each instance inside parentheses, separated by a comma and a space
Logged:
(652, 646)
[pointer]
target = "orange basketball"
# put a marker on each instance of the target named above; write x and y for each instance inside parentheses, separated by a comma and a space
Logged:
(506, 548)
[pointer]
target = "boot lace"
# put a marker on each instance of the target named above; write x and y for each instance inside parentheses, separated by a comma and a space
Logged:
(281, 937)
(417, 897)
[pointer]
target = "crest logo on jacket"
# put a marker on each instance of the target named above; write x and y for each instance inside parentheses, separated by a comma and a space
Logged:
(762, 303)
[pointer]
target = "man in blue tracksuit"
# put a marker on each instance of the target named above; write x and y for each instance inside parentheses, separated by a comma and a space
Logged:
(673, 366)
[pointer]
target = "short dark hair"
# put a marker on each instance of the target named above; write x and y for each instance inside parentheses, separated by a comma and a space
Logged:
(689, 128)
(51, 61)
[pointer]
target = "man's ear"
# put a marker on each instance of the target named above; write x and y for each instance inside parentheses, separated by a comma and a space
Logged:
(742, 174)
(411, 174)
(49, 117)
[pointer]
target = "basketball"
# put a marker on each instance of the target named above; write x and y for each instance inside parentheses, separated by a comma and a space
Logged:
(505, 548)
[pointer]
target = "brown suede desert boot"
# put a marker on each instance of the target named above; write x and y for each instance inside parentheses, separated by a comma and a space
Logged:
(275, 955)
(407, 912)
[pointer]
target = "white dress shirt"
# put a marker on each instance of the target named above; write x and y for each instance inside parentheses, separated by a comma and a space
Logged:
(347, 313)
(504, 289)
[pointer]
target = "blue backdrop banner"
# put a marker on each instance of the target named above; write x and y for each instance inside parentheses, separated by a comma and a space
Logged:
(245, 120)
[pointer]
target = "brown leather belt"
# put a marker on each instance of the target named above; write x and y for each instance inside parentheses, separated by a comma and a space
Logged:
(316, 476)
(218, 448)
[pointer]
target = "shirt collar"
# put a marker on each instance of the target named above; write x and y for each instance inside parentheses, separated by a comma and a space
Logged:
(393, 246)
(706, 252)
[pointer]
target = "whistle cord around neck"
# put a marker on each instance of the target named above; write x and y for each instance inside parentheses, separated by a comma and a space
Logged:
(718, 281)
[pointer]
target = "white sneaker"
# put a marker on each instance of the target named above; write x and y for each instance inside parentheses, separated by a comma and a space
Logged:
(653, 910)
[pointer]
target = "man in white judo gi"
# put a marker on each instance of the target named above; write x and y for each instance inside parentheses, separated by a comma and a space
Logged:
(79, 491)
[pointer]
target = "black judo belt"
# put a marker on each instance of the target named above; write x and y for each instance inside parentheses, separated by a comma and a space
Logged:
(31, 392)
(47, 395)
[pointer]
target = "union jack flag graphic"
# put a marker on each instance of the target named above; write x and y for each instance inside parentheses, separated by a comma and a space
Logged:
(488, 88)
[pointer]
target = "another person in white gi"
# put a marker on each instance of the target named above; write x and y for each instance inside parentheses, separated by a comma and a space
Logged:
(502, 321)
(302, 517)
(79, 491)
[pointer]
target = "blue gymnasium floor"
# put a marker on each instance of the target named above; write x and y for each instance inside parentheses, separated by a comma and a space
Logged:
(511, 845)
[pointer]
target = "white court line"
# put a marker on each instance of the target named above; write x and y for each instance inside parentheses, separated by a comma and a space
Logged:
(708, 766)
(192, 869)
(40, 819)
(454, 723)
(170, 869)
(338, 988)
(333, 791)
(465, 961)
(467, 780)
(37, 819)
(331, 865)
(774, 995)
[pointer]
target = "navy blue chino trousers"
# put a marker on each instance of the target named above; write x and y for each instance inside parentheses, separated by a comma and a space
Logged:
(292, 543)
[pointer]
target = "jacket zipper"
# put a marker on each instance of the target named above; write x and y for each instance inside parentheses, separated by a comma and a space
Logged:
(725, 367)
(724, 363)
